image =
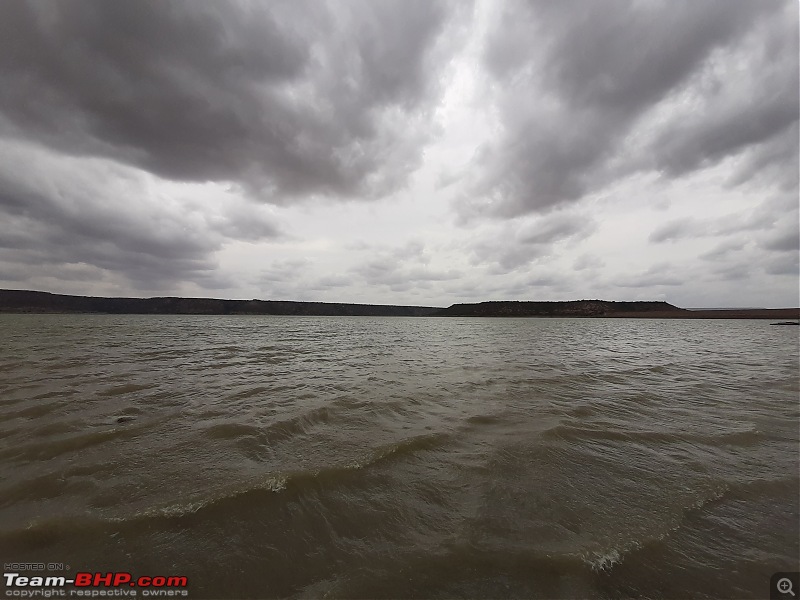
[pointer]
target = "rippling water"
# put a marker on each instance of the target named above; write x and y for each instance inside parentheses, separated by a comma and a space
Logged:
(400, 457)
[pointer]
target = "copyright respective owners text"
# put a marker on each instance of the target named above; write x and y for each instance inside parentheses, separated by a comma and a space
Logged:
(61, 580)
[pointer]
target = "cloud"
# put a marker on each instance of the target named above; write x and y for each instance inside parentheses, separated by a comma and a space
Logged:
(587, 261)
(283, 98)
(589, 93)
(414, 151)
(779, 212)
(517, 245)
(723, 250)
(787, 264)
(678, 229)
(662, 274)
(784, 238)
(61, 211)
(402, 269)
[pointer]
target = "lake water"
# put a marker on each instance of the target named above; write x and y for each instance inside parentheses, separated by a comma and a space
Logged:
(266, 457)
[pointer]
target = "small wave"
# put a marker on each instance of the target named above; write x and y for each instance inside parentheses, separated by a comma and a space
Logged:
(299, 425)
(571, 432)
(293, 482)
(127, 388)
(248, 393)
(226, 431)
(484, 420)
(405, 447)
(270, 483)
(582, 411)
(604, 561)
(49, 449)
(33, 412)
(254, 437)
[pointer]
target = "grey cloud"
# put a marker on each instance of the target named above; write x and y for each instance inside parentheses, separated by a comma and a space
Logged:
(775, 160)
(723, 250)
(676, 230)
(552, 281)
(655, 276)
(555, 228)
(761, 218)
(734, 272)
(787, 264)
(284, 270)
(576, 82)
(518, 245)
(103, 215)
(244, 221)
(762, 115)
(284, 98)
(587, 261)
(402, 269)
(285, 280)
(783, 239)
(539, 286)
(332, 281)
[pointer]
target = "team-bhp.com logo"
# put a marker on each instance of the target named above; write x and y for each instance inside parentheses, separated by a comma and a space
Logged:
(118, 584)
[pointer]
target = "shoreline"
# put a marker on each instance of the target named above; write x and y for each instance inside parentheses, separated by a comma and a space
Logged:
(34, 302)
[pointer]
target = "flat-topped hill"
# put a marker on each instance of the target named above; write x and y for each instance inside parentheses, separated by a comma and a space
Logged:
(19, 301)
(24, 301)
(572, 308)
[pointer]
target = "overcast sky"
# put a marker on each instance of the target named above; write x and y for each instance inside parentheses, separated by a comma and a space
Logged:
(402, 152)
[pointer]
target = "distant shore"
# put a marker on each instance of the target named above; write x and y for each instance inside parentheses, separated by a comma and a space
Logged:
(26, 301)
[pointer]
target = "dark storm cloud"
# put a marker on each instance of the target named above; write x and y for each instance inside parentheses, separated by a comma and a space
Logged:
(57, 211)
(284, 98)
(577, 84)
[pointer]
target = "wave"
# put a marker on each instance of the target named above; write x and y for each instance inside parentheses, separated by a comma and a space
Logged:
(297, 482)
(748, 437)
(52, 448)
(605, 561)
(251, 493)
(255, 438)
(125, 388)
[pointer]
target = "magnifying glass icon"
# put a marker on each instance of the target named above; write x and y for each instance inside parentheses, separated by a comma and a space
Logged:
(784, 586)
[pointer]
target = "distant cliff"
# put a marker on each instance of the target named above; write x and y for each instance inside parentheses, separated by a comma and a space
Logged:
(44, 302)
(20, 301)
(572, 308)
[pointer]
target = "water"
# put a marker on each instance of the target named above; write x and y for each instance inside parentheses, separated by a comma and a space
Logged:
(268, 457)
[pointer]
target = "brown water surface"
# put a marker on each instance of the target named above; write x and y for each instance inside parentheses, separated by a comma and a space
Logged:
(269, 457)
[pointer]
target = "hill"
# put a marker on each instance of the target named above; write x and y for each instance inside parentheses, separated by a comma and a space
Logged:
(19, 301)
(24, 301)
(573, 308)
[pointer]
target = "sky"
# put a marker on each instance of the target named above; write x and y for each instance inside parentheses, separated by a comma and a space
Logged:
(402, 152)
